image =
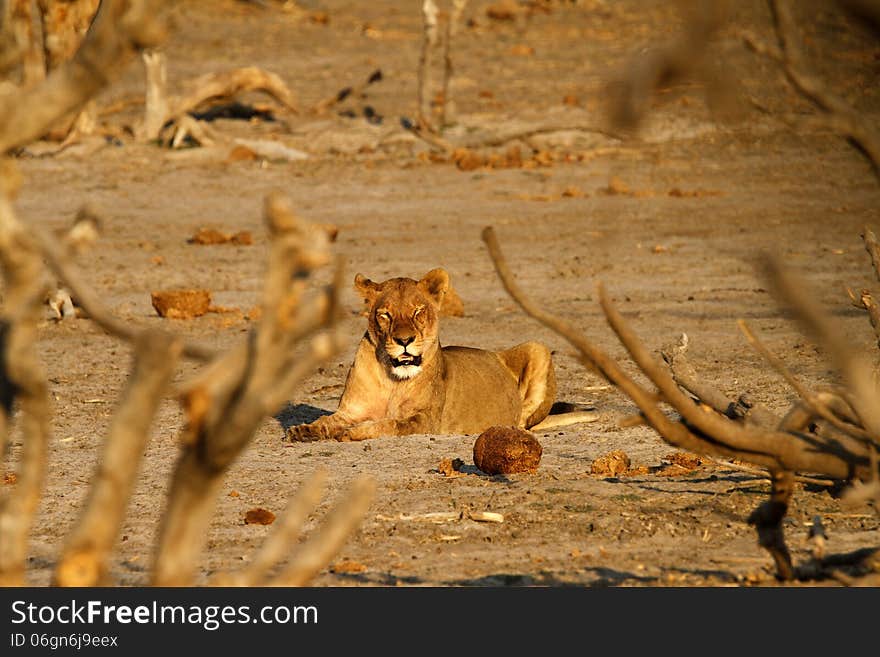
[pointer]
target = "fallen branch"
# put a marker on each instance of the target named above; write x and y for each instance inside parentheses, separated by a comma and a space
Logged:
(685, 376)
(230, 83)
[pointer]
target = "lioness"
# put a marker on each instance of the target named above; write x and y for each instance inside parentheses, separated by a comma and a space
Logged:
(403, 382)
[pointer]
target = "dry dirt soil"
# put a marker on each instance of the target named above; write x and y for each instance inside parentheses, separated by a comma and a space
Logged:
(587, 208)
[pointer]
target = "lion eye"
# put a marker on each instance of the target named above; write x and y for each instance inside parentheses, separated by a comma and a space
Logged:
(385, 317)
(418, 311)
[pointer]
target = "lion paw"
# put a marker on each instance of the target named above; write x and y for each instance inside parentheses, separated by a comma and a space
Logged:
(303, 433)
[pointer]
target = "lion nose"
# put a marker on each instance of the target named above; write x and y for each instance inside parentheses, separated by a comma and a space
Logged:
(405, 341)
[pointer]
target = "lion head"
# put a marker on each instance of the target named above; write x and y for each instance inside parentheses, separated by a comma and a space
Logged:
(402, 320)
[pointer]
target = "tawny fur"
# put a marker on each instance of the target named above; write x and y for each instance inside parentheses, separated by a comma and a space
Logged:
(403, 382)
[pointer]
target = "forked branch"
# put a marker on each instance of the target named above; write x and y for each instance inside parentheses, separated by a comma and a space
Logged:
(783, 450)
(226, 404)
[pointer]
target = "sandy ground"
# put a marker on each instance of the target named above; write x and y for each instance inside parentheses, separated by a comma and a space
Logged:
(674, 263)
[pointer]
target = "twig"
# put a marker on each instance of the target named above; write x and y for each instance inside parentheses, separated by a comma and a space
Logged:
(339, 523)
(84, 560)
(841, 117)
(430, 138)
(854, 368)
(285, 533)
(872, 246)
(804, 479)
(813, 401)
(89, 301)
(499, 140)
(866, 302)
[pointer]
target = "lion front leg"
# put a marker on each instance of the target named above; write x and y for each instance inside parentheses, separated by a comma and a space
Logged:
(386, 427)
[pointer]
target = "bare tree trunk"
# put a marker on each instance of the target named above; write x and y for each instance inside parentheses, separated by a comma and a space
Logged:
(429, 42)
(156, 106)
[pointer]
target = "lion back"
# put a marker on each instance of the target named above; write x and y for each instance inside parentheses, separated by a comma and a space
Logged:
(480, 391)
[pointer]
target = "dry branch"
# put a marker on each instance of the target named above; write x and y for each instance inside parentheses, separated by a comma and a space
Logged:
(865, 301)
(853, 366)
(674, 433)
(704, 431)
(768, 517)
(814, 403)
(22, 380)
(90, 302)
(632, 94)
(685, 376)
(226, 406)
(84, 560)
(872, 246)
(230, 83)
(791, 452)
(838, 114)
(285, 532)
(317, 552)
(160, 109)
(120, 28)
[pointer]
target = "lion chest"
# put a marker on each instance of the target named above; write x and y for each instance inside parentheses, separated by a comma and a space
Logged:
(370, 394)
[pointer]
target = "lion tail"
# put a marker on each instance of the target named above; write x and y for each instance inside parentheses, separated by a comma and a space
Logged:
(565, 419)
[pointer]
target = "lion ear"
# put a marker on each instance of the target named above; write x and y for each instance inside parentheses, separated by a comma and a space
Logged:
(435, 284)
(366, 288)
